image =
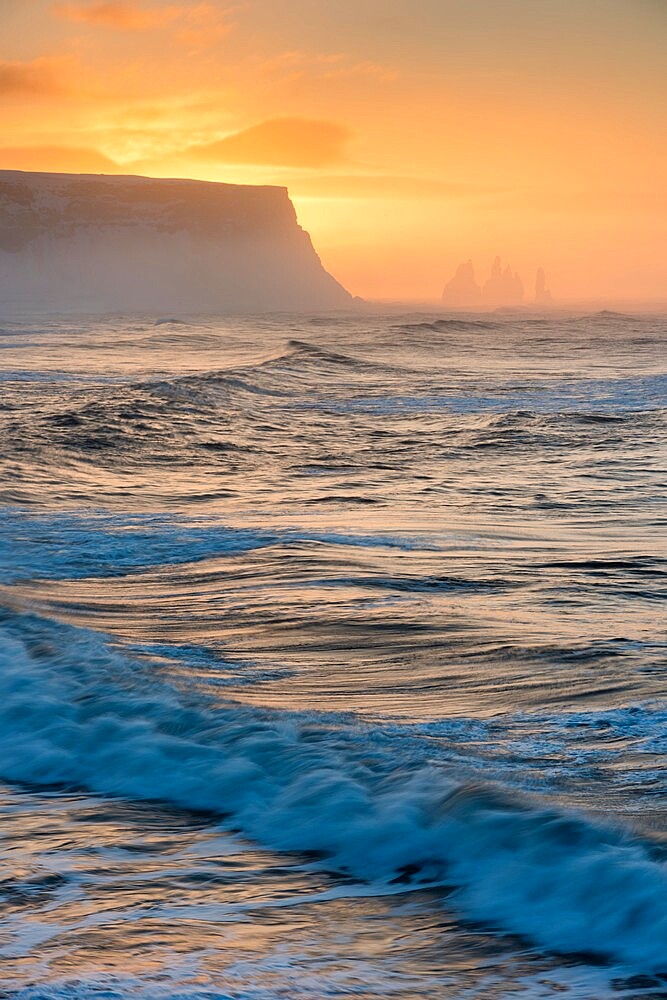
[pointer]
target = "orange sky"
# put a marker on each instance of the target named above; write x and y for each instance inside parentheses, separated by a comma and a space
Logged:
(412, 134)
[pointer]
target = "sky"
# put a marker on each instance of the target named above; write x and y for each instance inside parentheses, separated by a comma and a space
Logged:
(412, 134)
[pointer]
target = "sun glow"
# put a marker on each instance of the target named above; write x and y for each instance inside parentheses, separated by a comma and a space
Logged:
(409, 140)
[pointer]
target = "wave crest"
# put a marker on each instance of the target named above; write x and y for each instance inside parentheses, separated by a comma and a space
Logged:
(75, 713)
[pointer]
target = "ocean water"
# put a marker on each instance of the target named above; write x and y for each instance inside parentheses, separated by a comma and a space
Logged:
(333, 657)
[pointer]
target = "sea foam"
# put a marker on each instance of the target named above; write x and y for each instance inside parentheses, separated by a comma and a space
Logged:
(73, 712)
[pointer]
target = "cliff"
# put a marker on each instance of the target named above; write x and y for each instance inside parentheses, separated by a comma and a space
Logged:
(73, 242)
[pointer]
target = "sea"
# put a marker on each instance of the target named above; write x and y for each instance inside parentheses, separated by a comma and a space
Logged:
(333, 656)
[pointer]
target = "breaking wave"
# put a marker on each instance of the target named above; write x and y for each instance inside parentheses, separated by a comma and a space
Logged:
(74, 713)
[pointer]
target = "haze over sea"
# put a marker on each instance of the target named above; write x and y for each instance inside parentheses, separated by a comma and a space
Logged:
(333, 657)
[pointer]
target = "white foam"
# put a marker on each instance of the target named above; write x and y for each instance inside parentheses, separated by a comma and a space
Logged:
(74, 713)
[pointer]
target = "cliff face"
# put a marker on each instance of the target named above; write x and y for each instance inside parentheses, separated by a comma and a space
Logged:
(109, 243)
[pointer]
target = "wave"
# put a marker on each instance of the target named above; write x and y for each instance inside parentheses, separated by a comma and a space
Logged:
(108, 987)
(301, 986)
(282, 375)
(641, 564)
(75, 713)
(210, 390)
(302, 348)
(68, 546)
(610, 314)
(441, 325)
(583, 400)
(418, 584)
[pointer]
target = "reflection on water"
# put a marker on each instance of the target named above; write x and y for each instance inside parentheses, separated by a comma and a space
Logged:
(125, 899)
(381, 594)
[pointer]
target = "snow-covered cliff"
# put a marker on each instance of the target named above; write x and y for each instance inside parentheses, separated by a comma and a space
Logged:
(72, 242)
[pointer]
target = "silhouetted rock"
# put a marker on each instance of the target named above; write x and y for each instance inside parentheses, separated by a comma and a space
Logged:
(503, 288)
(543, 296)
(111, 243)
(463, 292)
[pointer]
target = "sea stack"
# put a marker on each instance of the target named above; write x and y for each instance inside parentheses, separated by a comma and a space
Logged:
(463, 292)
(503, 288)
(98, 243)
(543, 296)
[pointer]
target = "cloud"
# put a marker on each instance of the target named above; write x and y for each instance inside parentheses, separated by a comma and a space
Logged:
(291, 142)
(25, 79)
(195, 22)
(117, 14)
(56, 159)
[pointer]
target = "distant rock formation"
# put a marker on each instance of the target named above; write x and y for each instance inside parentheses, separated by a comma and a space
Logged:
(543, 296)
(99, 243)
(463, 292)
(503, 288)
